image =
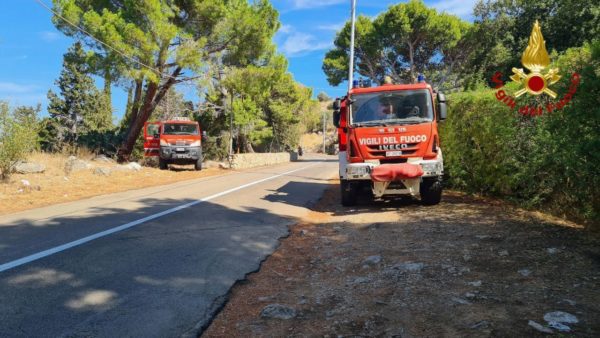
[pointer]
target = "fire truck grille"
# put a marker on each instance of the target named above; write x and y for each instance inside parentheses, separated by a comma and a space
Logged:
(376, 152)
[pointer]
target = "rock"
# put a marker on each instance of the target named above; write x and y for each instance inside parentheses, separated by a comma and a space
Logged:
(358, 280)
(470, 295)
(103, 158)
(132, 166)
(135, 166)
(525, 272)
(409, 267)
(559, 326)
(75, 164)
(224, 165)
(29, 168)
(476, 283)
(539, 327)
(561, 317)
(552, 251)
(460, 301)
(303, 232)
(278, 311)
(102, 171)
(503, 253)
(25, 183)
(372, 260)
(484, 324)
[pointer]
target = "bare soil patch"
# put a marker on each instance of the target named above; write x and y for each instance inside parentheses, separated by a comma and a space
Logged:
(468, 267)
(54, 186)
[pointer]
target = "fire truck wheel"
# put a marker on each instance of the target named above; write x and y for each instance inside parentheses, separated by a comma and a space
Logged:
(348, 193)
(198, 164)
(162, 164)
(431, 191)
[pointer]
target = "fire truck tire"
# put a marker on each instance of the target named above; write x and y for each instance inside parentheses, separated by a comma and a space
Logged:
(198, 164)
(162, 164)
(348, 191)
(431, 191)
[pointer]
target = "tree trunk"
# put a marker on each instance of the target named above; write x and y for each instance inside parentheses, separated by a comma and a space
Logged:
(154, 94)
(108, 85)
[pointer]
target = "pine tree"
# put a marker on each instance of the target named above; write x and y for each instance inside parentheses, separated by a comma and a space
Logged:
(81, 108)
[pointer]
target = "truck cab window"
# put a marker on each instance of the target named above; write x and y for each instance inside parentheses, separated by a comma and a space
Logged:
(411, 106)
(180, 129)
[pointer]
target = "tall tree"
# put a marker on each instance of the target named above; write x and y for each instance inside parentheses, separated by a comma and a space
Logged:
(406, 39)
(166, 42)
(502, 29)
(80, 107)
(173, 105)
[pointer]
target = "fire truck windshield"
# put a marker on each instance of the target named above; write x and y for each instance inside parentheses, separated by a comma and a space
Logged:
(180, 129)
(389, 108)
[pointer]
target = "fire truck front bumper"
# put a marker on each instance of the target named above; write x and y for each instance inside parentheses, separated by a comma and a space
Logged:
(178, 153)
(397, 178)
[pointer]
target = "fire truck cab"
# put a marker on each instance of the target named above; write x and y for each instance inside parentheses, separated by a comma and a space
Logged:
(177, 141)
(389, 142)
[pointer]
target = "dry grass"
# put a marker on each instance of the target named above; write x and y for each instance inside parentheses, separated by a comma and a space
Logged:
(54, 186)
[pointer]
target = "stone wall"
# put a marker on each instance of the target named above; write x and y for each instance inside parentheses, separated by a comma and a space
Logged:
(244, 161)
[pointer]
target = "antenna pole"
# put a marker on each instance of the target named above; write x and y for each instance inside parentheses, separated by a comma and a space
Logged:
(353, 25)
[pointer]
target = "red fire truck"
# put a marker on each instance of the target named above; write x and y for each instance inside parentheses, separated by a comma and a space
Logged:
(389, 142)
(178, 141)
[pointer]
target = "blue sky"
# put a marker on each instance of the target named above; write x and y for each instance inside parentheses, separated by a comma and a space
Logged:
(31, 49)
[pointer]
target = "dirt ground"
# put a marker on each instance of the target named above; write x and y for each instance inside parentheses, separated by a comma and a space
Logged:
(467, 267)
(55, 186)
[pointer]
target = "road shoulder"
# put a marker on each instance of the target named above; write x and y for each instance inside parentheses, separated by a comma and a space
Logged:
(467, 267)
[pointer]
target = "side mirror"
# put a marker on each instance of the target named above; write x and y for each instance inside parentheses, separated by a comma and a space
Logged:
(157, 136)
(442, 107)
(443, 111)
(336, 118)
(441, 97)
(337, 104)
(204, 136)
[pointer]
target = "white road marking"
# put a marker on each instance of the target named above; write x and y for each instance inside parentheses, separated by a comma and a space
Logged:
(60, 248)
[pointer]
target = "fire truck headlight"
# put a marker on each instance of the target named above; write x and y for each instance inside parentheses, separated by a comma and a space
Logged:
(164, 143)
(195, 144)
(432, 167)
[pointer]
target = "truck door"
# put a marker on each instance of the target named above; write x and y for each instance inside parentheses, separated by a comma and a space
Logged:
(151, 138)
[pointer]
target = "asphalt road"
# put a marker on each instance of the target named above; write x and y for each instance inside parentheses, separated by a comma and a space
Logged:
(155, 262)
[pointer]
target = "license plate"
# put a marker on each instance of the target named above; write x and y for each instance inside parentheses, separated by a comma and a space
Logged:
(393, 153)
(180, 149)
(182, 156)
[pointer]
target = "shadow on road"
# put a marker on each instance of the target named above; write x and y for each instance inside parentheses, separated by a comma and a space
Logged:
(155, 279)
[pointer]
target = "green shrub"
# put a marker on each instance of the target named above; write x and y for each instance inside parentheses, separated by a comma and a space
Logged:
(16, 140)
(550, 161)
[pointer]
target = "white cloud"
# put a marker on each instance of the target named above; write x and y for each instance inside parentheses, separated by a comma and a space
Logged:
(308, 4)
(461, 8)
(21, 94)
(332, 27)
(299, 43)
(15, 88)
(285, 29)
(49, 36)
